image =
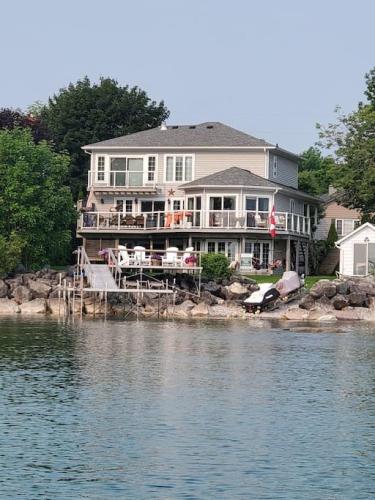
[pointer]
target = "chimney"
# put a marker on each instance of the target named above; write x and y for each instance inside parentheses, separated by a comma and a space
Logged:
(163, 126)
(331, 190)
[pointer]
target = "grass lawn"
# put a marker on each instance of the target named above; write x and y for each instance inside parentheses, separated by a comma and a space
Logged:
(309, 280)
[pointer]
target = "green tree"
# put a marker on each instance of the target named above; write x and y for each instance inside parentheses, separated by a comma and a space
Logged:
(352, 139)
(85, 112)
(36, 208)
(315, 171)
(332, 235)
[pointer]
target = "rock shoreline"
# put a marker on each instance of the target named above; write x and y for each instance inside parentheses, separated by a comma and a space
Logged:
(31, 294)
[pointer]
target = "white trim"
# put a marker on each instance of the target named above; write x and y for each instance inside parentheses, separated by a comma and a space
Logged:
(123, 199)
(174, 156)
(366, 224)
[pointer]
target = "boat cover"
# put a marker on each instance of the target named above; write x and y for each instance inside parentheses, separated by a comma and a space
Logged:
(288, 283)
(257, 297)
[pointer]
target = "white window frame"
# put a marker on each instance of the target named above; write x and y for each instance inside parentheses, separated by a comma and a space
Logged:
(174, 156)
(275, 165)
(226, 242)
(256, 197)
(97, 171)
(145, 166)
(262, 243)
(152, 200)
(155, 171)
(124, 199)
(353, 221)
(181, 199)
(222, 196)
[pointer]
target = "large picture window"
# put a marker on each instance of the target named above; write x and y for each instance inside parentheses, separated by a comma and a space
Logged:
(126, 171)
(179, 168)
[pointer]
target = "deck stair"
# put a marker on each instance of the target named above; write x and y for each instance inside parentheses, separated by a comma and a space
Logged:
(330, 262)
(101, 277)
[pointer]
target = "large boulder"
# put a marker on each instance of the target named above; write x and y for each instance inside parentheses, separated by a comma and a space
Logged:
(56, 307)
(340, 301)
(324, 288)
(295, 314)
(208, 299)
(212, 287)
(8, 307)
(219, 311)
(22, 294)
(36, 306)
(39, 289)
(200, 310)
(342, 287)
(307, 302)
(358, 299)
(3, 289)
(180, 311)
(236, 291)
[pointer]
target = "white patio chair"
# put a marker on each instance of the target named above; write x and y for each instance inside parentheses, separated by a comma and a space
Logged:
(259, 221)
(140, 255)
(170, 257)
(123, 256)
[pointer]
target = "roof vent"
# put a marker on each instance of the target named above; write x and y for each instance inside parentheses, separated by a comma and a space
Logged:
(163, 126)
(192, 126)
(175, 126)
(210, 126)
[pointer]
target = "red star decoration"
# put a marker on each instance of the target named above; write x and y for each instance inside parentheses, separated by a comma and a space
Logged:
(171, 192)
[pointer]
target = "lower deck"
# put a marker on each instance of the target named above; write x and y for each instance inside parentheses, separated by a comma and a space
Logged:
(258, 254)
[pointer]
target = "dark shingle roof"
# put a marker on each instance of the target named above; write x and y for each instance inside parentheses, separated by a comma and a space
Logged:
(235, 176)
(204, 134)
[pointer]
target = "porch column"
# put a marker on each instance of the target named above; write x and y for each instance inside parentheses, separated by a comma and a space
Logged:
(297, 256)
(307, 246)
(243, 244)
(190, 241)
(287, 255)
(166, 242)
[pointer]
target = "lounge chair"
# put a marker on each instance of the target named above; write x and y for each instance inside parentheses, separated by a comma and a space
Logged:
(123, 256)
(185, 255)
(170, 257)
(140, 255)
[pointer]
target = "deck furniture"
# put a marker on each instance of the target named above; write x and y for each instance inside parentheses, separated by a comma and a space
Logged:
(139, 220)
(185, 255)
(124, 258)
(140, 255)
(170, 257)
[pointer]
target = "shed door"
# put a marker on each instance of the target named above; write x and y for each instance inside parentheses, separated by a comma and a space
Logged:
(360, 259)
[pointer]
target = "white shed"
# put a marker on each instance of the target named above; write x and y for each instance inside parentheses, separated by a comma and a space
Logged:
(357, 251)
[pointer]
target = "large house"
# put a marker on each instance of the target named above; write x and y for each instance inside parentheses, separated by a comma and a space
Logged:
(208, 186)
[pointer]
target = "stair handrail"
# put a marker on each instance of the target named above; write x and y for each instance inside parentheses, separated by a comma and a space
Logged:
(115, 269)
(85, 265)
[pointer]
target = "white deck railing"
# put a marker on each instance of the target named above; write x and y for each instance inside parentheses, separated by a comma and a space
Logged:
(118, 179)
(193, 220)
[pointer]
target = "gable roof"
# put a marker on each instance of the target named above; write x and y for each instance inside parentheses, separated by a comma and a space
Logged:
(207, 134)
(355, 231)
(235, 176)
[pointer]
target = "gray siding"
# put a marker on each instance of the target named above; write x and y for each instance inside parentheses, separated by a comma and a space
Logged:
(287, 171)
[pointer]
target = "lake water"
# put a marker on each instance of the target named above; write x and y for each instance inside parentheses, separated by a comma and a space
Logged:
(186, 410)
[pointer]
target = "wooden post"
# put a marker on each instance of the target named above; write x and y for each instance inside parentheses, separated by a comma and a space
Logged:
(287, 255)
(307, 247)
(297, 256)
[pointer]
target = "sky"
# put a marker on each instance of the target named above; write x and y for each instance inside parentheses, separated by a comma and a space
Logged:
(272, 69)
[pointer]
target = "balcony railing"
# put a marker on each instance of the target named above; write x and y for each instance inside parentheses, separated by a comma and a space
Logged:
(118, 179)
(194, 220)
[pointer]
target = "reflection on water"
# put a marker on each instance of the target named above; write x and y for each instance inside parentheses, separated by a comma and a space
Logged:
(178, 410)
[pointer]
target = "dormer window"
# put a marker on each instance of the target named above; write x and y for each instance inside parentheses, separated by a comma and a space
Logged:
(178, 168)
(274, 166)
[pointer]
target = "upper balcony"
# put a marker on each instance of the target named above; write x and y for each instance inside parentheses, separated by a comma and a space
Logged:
(227, 221)
(120, 180)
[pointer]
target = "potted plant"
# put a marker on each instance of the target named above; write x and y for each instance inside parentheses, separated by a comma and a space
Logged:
(155, 259)
(191, 261)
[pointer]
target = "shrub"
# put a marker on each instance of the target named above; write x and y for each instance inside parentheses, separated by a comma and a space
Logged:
(10, 251)
(332, 235)
(215, 266)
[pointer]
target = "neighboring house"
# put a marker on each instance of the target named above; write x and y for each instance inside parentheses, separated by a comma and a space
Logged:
(345, 219)
(357, 251)
(208, 186)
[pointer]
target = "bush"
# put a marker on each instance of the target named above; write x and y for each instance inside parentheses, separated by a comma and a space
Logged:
(332, 235)
(10, 251)
(215, 266)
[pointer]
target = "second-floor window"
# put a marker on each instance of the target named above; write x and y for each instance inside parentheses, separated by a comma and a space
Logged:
(126, 171)
(178, 168)
(151, 168)
(346, 226)
(100, 171)
(274, 166)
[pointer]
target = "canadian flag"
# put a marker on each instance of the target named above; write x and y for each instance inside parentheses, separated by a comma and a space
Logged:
(272, 223)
